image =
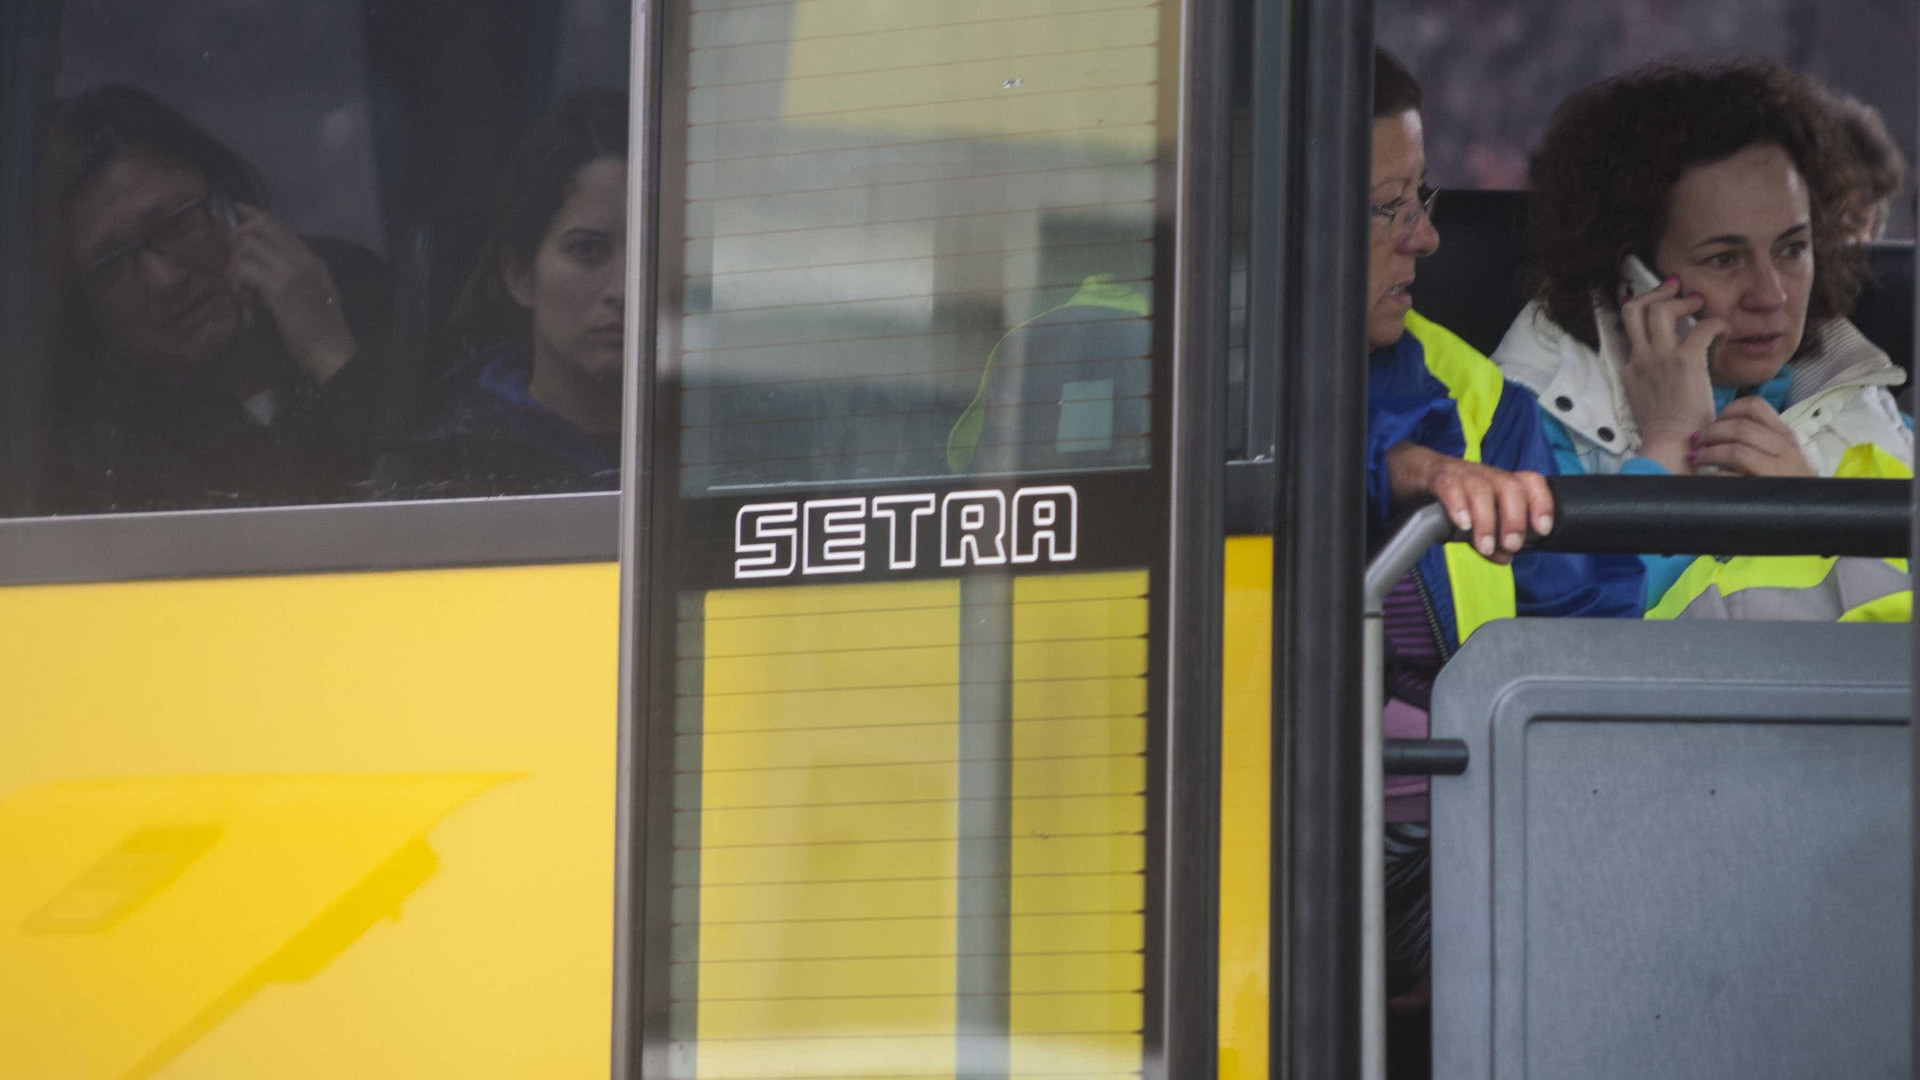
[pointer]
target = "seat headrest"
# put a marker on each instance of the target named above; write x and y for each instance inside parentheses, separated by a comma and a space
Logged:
(1471, 285)
(1884, 312)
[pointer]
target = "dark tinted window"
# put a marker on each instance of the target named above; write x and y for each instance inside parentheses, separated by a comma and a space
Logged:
(263, 257)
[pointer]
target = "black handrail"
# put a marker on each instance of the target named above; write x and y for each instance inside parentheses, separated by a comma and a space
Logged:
(1729, 515)
(1424, 757)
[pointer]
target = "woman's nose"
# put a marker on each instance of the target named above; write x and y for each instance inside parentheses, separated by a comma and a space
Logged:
(162, 273)
(1421, 240)
(1765, 291)
(613, 280)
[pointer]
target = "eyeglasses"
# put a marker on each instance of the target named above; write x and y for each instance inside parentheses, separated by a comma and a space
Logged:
(1402, 214)
(184, 236)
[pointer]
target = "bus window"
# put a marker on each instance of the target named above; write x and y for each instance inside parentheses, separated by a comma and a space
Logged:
(938, 284)
(270, 256)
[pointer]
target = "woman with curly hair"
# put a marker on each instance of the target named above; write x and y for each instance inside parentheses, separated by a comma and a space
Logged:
(1731, 183)
(1880, 169)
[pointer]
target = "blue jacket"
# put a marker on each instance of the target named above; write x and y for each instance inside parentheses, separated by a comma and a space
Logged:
(1418, 389)
(484, 434)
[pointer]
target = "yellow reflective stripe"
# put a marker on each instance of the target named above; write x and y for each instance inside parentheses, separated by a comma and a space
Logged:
(1471, 379)
(1862, 461)
(1696, 579)
(1893, 607)
(1482, 591)
(1773, 572)
(1097, 291)
(1867, 461)
(1766, 572)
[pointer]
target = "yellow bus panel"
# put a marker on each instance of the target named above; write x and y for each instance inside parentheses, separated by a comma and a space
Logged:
(314, 826)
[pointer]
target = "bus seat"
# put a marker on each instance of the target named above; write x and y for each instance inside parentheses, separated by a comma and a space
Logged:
(1678, 850)
(432, 260)
(1884, 312)
(1471, 285)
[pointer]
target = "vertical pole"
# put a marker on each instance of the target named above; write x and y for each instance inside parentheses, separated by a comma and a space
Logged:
(1373, 825)
(1913, 710)
(1326, 47)
(1190, 874)
(984, 927)
(630, 910)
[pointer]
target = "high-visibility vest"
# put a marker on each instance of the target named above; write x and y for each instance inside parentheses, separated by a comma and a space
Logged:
(1804, 587)
(1482, 590)
(1098, 291)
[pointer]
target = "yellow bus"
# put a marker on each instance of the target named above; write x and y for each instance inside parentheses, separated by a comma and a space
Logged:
(964, 679)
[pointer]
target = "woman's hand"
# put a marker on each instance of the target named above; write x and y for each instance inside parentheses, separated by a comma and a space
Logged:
(1666, 375)
(1495, 506)
(267, 261)
(1750, 439)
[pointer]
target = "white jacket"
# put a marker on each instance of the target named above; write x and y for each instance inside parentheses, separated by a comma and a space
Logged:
(1838, 396)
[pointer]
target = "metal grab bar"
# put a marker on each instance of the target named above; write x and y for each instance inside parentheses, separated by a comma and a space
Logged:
(1428, 526)
(1601, 515)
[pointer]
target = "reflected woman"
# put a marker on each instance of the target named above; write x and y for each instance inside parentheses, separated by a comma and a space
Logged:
(208, 355)
(532, 403)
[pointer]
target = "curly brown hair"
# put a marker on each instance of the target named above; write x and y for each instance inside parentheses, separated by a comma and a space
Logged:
(1614, 150)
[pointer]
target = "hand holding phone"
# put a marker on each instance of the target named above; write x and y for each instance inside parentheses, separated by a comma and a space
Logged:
(1640, 281)
(227, 219)
(1666, 372)
(292, 286)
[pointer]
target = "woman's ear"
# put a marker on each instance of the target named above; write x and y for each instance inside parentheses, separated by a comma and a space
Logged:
(517, 275)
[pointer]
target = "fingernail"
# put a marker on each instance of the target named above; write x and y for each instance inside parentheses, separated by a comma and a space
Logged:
(1693, 439)
(1463, 521)
(1543, 524)
(1484, 546)
(1514, 540)
(1670, 280)
(1693, 456)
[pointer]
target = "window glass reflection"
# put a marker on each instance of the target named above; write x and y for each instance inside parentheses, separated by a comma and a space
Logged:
(309, 252)
(912, 243)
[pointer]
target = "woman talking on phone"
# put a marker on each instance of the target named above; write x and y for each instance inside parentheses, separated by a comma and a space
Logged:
(1694, 277)
(207, 355)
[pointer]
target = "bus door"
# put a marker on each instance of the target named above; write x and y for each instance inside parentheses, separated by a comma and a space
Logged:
(923, 537)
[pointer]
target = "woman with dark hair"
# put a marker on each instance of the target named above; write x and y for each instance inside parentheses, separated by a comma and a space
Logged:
(207, 355)
(1724, 189)
(533, 401)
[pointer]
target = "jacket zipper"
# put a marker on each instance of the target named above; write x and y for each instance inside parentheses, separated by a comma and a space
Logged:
(1433, 619)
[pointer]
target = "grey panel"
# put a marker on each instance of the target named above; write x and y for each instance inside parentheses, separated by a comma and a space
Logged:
(310, 539)
(1681, 850)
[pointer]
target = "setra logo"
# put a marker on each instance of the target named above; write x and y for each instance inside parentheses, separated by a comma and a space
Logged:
(847, 535)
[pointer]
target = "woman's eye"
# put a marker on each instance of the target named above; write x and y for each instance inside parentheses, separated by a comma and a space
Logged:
(1723, 260)
(588, 249)
(1794, 250)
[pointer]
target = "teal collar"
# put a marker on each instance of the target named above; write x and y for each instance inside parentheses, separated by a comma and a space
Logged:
(1774, 391)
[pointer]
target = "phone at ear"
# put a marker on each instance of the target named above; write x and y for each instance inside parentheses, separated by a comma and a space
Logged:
(1639, 281)
(227, 219)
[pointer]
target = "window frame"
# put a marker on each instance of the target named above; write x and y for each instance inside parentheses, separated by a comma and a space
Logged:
(310, 539)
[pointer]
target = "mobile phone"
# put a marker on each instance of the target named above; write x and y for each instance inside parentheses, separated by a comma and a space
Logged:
(1640, 281)
(220, 206)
